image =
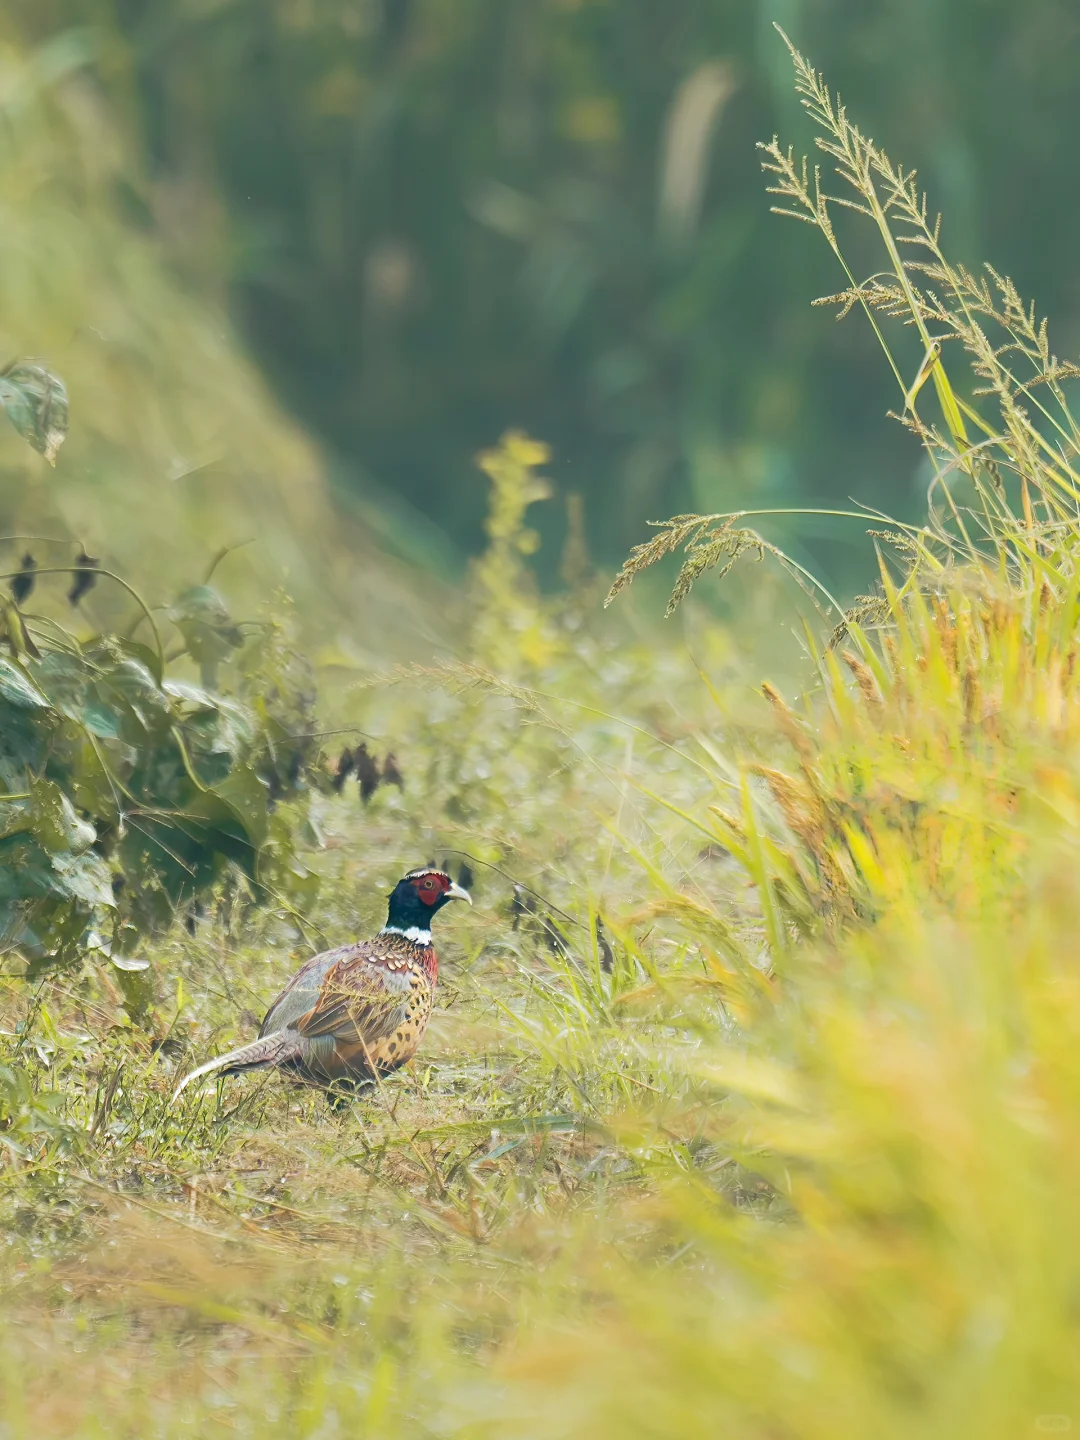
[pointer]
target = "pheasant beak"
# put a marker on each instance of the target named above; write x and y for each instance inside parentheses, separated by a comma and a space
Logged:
(457, 893)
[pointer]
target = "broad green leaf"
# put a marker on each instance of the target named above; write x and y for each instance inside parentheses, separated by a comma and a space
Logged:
(227, 822)
(84, 877)
(128, 686)
(24, 743)
(194, 695)
(37, 405)
(63, 678)
(146, 654)
(101, 720)
(91, 785)
(245, 794)
(237, 806)
(17, 687)
(55, 823)
(127, 962)
(204, 621)
(110, 692)
(25, 870)
(14, 631)
(16, 816)
(214, 724)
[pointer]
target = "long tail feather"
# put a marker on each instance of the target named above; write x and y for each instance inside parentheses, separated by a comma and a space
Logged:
(276, 1049)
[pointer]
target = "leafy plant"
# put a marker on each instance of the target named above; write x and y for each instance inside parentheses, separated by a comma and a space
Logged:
(1005, 489)
(37, 405)
(127, 794)
(943, 648)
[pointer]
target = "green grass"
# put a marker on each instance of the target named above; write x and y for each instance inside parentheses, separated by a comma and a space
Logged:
(799, 1161)
(237, 1230)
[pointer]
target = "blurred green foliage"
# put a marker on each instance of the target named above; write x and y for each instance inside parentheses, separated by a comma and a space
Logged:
(176, 447)
(440, 218)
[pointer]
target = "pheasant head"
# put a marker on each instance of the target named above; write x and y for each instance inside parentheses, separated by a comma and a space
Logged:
(415, 899)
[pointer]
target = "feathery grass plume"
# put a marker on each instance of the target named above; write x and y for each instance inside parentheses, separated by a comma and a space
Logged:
(1005, 489)
(864, 679)
(1021, 465)
(1000, 546)
(796, 730)
(705, 547)
(707, 541)
(868, 611)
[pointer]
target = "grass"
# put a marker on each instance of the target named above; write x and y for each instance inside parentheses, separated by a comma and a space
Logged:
(786, 1148)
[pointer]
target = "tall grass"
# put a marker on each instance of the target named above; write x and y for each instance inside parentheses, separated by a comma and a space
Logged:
(787, 1147)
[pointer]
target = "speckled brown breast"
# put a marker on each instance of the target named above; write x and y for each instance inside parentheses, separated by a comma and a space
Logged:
(384, 1053)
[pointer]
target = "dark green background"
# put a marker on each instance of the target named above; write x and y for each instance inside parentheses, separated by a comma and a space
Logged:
(434, 219)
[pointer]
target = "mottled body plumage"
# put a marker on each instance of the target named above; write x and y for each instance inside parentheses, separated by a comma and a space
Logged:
(359, 1011)
(362, 1009)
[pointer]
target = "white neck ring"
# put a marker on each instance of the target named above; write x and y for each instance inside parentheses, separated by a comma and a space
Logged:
(415, 933)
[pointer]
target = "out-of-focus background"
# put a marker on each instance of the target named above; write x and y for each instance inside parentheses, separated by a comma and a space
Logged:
(298, 260)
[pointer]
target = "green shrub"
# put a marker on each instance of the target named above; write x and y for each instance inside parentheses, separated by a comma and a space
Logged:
(127, 795)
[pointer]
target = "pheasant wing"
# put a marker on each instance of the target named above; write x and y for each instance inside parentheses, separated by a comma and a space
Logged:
(358, 1000)
(302, 991)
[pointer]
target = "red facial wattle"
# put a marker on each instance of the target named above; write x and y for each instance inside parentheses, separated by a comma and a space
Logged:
(431, 888)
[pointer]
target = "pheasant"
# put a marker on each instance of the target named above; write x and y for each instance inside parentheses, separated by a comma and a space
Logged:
(359, 1011)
